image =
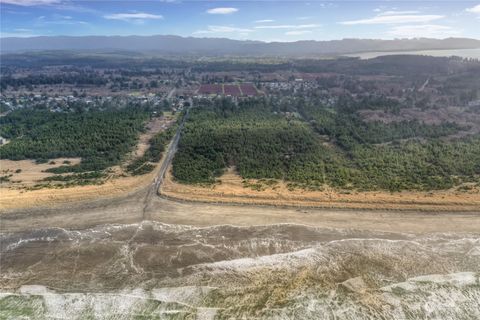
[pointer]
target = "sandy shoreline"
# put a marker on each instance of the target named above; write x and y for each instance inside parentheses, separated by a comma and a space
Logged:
(231, 191)
(130, 200)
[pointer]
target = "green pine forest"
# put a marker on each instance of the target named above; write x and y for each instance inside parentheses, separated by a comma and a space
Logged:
(101, 139)
(303, 143)
(312, 146)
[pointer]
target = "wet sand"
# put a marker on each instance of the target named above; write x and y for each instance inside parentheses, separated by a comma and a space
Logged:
(144, 255)
(286, 271)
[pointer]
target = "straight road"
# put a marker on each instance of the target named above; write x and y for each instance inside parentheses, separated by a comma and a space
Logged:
(170, 94)
(169, 154)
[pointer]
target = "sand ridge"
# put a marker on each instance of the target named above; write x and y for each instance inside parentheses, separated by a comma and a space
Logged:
(232, 189)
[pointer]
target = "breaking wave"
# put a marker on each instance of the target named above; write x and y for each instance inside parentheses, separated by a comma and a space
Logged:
(281, 271)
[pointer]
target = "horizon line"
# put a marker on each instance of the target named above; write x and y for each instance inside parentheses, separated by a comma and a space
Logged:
(226, 38)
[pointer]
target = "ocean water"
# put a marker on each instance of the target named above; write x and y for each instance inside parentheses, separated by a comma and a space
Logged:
(152, 270)
(464, 53)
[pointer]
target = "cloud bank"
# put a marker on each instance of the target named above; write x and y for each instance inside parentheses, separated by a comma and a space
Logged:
(137, 16)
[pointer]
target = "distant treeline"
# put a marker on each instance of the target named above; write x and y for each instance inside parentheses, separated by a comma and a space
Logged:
(401, 65)
(41, 79)
(95, 60)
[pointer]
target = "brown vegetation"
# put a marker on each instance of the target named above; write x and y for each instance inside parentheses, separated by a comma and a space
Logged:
(19, 198)
(153, 127)
(26, 173)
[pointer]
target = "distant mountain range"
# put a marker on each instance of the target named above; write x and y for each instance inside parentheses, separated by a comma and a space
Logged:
(176, 45)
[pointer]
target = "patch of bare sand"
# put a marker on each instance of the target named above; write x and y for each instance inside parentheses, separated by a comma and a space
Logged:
(153, 127)
(17, 198)
(232, 190)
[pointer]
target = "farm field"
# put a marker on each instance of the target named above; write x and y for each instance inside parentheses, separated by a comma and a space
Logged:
(232, 90)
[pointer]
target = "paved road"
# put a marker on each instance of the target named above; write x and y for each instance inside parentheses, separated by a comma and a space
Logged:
(170, 94)
(170, 153)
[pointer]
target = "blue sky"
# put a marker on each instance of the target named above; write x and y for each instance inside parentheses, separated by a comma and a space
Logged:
(256, 20)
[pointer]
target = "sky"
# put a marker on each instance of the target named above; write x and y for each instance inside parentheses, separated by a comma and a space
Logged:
(254, 20)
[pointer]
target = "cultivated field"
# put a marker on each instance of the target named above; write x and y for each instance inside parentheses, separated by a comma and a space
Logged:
(234, 90)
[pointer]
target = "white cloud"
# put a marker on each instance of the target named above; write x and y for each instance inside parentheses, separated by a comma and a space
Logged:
(392, 13)
(264, 21)
(136, 17)
(297, 32)
(304, 18)
(222, 10)
(58, 19)
(395, 17)
(222, 29)
(290, 26)
(423, 31)
(18, 34)
(28, 3)
(475, 9)
(64, 22)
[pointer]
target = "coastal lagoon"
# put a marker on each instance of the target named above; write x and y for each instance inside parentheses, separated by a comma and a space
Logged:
(464, 53)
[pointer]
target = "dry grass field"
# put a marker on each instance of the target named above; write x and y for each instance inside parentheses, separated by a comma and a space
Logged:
(27, 173)
(11, 198)
(155, 126)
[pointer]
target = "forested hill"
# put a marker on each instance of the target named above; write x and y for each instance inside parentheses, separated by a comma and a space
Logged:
(175, 45)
